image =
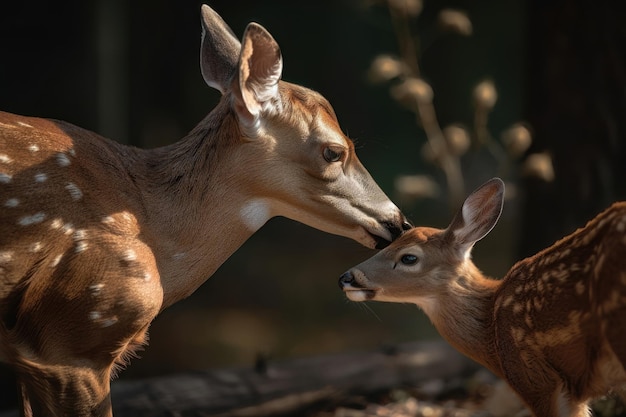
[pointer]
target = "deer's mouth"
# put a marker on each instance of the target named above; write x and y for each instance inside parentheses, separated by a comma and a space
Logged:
(394, 231)
(379, 241)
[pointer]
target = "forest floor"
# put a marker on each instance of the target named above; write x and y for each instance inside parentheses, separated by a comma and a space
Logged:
(480, 395)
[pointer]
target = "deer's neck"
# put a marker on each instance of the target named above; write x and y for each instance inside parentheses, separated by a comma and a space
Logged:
(463, 315)
(194, 201)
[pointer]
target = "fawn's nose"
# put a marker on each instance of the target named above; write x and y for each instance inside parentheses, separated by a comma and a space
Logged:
(347, 278)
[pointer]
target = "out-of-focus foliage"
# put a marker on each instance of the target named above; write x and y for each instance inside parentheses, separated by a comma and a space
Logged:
(447, 147)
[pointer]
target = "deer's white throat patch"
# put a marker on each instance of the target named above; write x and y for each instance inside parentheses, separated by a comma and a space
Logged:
(255, 213)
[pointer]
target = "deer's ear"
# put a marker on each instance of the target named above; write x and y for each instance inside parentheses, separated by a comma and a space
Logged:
(219, 51)
(479, 214)
(260, 67)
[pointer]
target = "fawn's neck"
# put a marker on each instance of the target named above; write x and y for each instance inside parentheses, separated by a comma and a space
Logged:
(463, 315)
(193, 202)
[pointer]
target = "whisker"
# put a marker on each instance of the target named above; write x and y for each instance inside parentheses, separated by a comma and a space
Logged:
(371, 310)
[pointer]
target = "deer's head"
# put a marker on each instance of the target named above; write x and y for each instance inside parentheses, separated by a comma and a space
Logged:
(297, 162)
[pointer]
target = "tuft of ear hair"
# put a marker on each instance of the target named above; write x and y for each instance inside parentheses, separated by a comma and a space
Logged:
(260, 69)
(477, 217)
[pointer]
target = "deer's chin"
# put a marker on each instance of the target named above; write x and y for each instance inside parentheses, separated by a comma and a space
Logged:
(380, 242)
(359, 294)
(371, 240)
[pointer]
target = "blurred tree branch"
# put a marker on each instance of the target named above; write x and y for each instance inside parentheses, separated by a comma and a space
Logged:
(445, 147)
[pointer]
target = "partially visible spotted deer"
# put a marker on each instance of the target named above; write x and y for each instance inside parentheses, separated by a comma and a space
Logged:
(97, 238)
(554, 327)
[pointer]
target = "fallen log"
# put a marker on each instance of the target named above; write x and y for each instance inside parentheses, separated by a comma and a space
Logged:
(287, 386)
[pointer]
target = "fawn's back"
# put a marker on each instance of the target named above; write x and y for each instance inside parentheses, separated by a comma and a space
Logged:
(568, 304)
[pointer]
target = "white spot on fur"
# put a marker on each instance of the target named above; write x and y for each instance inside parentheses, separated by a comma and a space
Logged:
(74, 191)
(255, 213)
(129, 255)
(68, 228)
(12, 202)
(96, 288)
(6, 125)
(24, 124)
(41, 177)
(81, 246)
(63, 159)
(5, 178)
(30, 220)
(35, 247)
(108, 220)
(80, 234)
(6, 256)
(72, 152)
(108, 322)
(5, 159)
(95, 315)
(147, 276)
(56, 224)
(33, 148)
(56, 261)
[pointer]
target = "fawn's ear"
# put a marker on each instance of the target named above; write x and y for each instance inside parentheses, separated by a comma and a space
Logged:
(260, 67)
(219, 51)
(479, 214)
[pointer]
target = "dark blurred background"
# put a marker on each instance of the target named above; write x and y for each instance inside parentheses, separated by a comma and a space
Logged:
(129, 71)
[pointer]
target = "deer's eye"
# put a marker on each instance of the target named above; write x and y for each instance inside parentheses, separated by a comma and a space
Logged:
(408, 259)
(332, 154)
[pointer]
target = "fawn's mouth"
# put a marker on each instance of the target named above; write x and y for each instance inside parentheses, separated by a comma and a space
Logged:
(354, 290)
(359, 294)
(356, 293)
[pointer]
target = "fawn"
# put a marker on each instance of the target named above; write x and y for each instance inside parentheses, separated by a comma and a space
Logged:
(97, 238)
(554, 327)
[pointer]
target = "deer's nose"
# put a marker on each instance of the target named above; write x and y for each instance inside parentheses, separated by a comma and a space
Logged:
(396, 229)
(346, 279)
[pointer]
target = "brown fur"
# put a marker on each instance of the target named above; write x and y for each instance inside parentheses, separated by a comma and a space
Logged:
(97, 238)
(553, 327)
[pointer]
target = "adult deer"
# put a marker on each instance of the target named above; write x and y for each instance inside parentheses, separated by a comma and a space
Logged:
(553, 327)
(97, 238)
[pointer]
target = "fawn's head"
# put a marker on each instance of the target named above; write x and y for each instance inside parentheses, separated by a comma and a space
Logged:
(424, 262)
(298, 163)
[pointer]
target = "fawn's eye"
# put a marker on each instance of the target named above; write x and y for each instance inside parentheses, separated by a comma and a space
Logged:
(332, 154)
(408, 259)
